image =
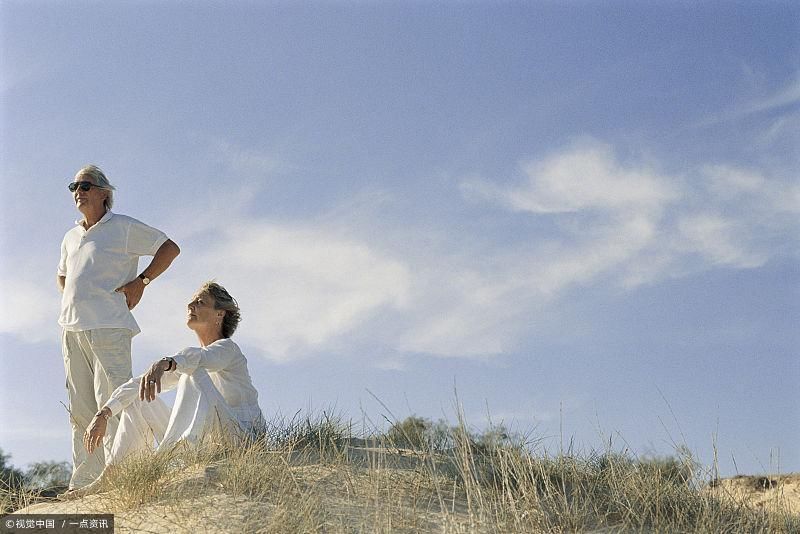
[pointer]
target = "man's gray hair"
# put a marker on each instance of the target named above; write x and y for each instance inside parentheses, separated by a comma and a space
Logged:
(224, 301)
(99, 178)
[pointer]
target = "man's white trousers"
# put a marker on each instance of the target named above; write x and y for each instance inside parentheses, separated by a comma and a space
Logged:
(96, 362)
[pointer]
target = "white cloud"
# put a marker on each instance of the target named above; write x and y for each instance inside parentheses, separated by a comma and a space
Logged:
(586, 178)
(631, 224)
(725, 181)
(458, 319)
(718, 240)
(773, 197)
(609, 213)
(298, 288)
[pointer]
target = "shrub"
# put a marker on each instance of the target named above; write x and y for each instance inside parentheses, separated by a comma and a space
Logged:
(47, 475)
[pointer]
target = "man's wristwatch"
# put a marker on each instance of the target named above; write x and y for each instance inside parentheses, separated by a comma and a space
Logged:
(145, 280)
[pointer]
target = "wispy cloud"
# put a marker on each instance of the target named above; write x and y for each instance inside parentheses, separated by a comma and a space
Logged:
(581, 179)
(633, 223)
(785, 97)
(248, 162)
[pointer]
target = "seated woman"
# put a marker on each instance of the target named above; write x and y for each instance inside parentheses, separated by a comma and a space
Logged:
(214, 390)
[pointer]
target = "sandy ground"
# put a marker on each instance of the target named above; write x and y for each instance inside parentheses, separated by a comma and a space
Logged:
(762, 491)
(213, 510)
(210, 512)
(348, 497)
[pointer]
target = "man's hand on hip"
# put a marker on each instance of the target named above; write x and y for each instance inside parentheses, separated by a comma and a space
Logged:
(133, 292)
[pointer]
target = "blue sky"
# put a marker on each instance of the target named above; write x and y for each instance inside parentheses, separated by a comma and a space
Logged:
(582, 217)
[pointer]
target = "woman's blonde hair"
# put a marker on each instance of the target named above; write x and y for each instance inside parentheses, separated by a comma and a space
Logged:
(224, 301)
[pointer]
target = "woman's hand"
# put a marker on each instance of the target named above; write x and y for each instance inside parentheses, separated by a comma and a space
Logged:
(150, 383)
(93, 437)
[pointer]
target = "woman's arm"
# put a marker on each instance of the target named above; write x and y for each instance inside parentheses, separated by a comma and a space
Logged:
(213, 358)
(123, 396)
(119, 400)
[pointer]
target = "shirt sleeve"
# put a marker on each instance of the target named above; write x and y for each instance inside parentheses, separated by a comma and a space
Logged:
(143, 240)
(128, 392)
(62, 263)
(123, 396)
(213, 358)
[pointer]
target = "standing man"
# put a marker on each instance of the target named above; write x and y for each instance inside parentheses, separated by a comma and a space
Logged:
(98, 279)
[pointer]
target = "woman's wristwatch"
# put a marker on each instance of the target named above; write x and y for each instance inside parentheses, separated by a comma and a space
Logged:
(171, 363)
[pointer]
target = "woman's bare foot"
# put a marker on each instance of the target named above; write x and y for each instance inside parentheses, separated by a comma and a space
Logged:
(94, 487)
(68, 495)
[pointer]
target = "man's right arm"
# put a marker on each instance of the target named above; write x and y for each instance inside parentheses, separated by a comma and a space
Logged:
(61, 272)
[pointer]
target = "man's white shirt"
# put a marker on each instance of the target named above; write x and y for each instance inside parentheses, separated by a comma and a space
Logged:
(95, 262)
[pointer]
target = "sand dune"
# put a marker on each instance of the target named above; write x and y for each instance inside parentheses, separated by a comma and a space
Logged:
(344, 495)
(762, 491)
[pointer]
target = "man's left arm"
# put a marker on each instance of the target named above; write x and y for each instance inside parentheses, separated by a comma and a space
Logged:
(162, 259)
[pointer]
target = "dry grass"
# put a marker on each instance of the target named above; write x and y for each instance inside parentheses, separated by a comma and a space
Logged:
(313, 475)
(14, 497)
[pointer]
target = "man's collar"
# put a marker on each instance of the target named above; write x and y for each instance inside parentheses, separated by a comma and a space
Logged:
(103, 219)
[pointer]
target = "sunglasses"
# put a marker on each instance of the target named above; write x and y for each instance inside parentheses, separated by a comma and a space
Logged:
(85, 186)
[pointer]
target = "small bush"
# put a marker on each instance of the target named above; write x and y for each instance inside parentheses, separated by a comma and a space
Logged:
(48, 475)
